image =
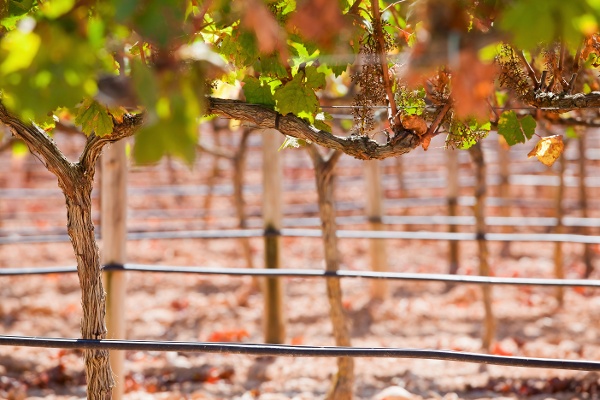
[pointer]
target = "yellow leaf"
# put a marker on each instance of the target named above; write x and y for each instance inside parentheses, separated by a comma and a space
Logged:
(548, 149)
(118, 113)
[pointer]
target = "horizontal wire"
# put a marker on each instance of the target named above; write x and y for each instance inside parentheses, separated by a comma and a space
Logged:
(314, 273)
(298, 351)
(297, 222)
(342, 234)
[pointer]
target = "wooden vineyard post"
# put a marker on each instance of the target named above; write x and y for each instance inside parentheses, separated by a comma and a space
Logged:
(272, 219)
(343, 381)
(378, 254)
(476, 153)
(583, 204)
(504, 188)
(559, 272)
(453, 193)
(113, 221)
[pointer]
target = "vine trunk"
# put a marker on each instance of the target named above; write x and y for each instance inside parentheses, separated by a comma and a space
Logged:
(343, 381)
(81, 231)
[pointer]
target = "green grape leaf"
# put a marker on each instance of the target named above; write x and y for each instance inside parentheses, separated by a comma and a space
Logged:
(158, 21)
(465, 134)
(320, 123)
(118, 113)
(93, 118)
(14, 11)
(145, 84)
(21, 48)
(271, 66)
(516, 130)
(59, 73)
(314, 78)
(534, 21)
(336, 70)
(175, 133)
(295, 97)
(256, 92)
(55, 8)
(241, 49)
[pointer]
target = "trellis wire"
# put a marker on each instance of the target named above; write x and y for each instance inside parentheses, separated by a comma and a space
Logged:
(59, 234)
(298, 351)
(314, 273)
(342, 234)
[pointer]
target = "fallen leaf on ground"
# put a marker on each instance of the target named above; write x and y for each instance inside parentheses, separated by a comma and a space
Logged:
(235, 335)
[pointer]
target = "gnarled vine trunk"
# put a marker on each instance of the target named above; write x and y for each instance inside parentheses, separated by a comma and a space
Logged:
(343, 381)
(76, 181)
(81, 232)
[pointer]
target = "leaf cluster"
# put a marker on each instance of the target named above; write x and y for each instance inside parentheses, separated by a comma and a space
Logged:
(416, 58)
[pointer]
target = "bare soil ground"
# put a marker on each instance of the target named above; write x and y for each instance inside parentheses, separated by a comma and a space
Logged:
(188, 307)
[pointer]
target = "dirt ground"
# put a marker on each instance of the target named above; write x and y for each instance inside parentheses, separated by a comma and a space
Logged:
(190, 307)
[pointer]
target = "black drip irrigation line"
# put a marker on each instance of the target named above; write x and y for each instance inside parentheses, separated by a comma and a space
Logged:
(298, 351)
(314, 273)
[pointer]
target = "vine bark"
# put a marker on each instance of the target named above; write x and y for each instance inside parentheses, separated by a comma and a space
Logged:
(343, 381)
(76, 181)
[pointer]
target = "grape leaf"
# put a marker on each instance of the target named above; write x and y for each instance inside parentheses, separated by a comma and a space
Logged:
(56, 8)
(295, 97)
(21, 48)
(320, 123)
(314, 78)
(516, 130)
(175, 133)
(118, 113)
(93, 118)
(548, 149)
(257, 93)
(528, 31)
(271, 66)
(158, 21)
(240, 48)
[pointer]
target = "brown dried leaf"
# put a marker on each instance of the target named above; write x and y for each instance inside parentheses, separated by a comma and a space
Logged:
(548, 149)
(270, 36)
(472, 84)
(426, 141)
(415, 123)
(319, 20)
(591, 46)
